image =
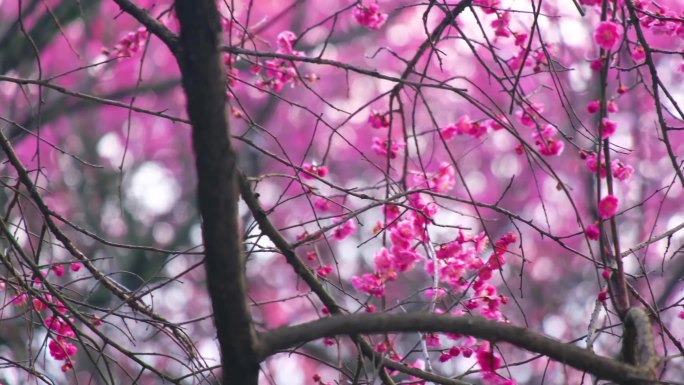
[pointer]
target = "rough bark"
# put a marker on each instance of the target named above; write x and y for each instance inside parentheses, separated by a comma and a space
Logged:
(216, 162)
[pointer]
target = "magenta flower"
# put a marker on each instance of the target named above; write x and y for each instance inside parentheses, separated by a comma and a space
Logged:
(370, 16)
(285, 42)
(486, 359)
(500, 25)
(324, 271)
(449, 132)
(621, 171)
(611, 106)
(369, 283)
(608, 206)
(592, 231)
(321, 171)
(488, 6)
(546, 141)
(639, 55)
(608, 128)
(592, 164)
(343, 230)
(378, 119)
(383, 148)
(607, 33)
(593, 107)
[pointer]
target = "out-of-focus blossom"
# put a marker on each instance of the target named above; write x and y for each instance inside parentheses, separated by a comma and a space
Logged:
(369, 16)
(321, 171)
(639, 54)
(369, 283)
(608, 128)
(621, 171)
(608, 206)
(592, 231)
(378, 119)
(343, 230)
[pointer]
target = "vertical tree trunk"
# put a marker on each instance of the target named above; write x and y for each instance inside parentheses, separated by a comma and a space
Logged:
(204, 85)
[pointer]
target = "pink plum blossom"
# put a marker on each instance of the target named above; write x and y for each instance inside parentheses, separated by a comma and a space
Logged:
(369, 283)
(378, 120)
(593, 106)
(343, 230)
(608, 128)
(592, 231)
(639, 54)
(607, 33)
(369, 16)
(321, 171)
(608, 206)
(383, 148)
(621, 171)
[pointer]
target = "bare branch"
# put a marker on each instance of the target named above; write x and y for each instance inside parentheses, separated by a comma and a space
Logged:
(574, 356)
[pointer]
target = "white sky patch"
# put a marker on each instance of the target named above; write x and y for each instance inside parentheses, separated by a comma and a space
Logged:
(19, 231)
(175, 299)
(554, 326)
(668, 75)
(109, 147)
(196, 234)
(476, 181)
(398, 35)
(579, 77)
(287, 370)
(163, 233)
(208, 350)
(574, 34)
(506, 166)
(152, 190)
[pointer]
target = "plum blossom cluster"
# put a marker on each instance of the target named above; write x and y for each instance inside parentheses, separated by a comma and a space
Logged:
(369, 16)
(406, 232)
(378, 119)
(459, 266)
(484, 354)
(385, 147)
(345, 229)
(537, 58)
(130, 44)
(59, 270)
(524, 55)
(279, 72)
(440, 181)
(464, 126)
(656, 18)
(607, 208)
(660, 19)
(488, 6)
(61, 334)
(232, 72)
(545, 138)
(314, 169)
(621, 171)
